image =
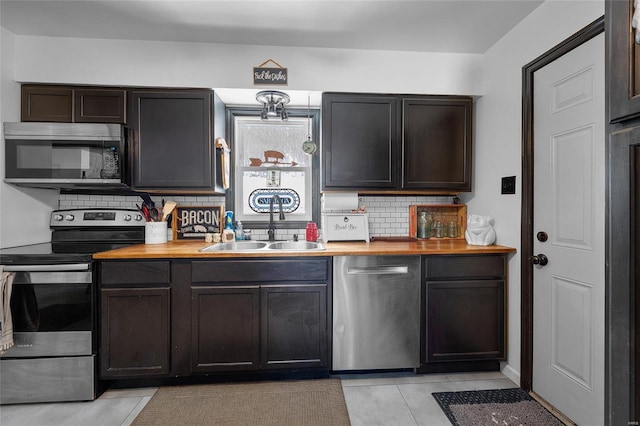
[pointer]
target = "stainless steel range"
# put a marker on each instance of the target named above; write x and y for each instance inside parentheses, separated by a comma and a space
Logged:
(53, 305)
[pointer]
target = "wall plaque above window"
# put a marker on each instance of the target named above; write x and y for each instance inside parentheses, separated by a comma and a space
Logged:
(278, 75)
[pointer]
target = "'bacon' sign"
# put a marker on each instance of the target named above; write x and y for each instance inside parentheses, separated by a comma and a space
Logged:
(194, 222)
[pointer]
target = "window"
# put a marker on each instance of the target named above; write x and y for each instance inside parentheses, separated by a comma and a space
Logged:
(268, 160)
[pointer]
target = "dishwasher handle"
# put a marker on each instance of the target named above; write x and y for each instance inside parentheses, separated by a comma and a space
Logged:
(378, 270)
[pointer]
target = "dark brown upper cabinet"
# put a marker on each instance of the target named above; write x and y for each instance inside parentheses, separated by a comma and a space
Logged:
(397, 143)
(67, 104)
(436, 142)
(624, 59)
(171, 141)
(360, 141)
(46, 103)
(99, 105)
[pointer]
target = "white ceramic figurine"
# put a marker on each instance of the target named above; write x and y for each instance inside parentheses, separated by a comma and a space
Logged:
(479, 231)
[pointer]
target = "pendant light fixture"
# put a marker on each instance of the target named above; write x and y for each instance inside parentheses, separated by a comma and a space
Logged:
(273, 104)
(309, 146)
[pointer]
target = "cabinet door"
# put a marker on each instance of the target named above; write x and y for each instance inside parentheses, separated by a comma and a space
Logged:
(99, 106)
(360, 141)
(437, 140)
(294, 326)
(134, 332)
(624, 57)
(47, 103)
(225, 328)
(465, 320)
(172, 141)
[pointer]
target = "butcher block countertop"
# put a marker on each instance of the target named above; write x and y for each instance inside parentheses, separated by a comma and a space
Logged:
(190, 249)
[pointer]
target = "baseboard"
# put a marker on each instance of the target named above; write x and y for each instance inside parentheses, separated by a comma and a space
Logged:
(459, 366)
(512, 374)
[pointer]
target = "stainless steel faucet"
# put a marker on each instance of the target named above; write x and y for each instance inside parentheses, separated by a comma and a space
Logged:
(272, 225)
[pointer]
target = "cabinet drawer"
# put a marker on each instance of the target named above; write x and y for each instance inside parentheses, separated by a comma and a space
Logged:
(121, 273)
(465, 266)
(260, 271)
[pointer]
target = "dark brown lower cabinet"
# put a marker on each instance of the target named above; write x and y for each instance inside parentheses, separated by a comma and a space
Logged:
(134, 334)
(465, 320)
(259, 314)
(225, 327)
(465, 312)
(244, 328)
(294, 326)
(134, 319)
(192, 317)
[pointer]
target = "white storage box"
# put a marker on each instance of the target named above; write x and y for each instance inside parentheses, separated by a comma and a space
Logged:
(345, 227)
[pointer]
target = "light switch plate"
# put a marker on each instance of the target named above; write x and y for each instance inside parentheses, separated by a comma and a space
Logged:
(509, 185)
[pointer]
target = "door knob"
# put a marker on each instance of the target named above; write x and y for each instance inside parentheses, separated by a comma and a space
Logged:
(540, 259)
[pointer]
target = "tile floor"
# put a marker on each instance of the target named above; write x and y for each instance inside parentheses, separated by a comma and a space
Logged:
(389, 399)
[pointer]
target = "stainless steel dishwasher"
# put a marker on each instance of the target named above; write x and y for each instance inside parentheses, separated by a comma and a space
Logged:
(376, 312)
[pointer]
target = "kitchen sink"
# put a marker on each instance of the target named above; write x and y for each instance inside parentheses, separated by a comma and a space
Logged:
(295, 245)
(236, 246)
(253, 246)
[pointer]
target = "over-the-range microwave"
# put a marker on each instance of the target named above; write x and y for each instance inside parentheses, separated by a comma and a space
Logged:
(65, 155)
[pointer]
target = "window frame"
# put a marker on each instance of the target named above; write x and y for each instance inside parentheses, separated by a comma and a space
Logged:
(314, 114)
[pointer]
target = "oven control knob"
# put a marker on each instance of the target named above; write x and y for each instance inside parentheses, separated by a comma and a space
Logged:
(138, 217)
(126, 217)
(69, 217)
(57, 217)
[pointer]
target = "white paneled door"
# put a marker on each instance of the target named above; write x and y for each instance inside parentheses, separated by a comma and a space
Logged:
(569, 205)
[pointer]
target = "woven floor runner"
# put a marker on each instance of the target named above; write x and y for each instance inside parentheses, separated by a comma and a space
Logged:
(277, 403)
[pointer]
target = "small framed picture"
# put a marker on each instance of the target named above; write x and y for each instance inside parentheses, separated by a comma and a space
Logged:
(273, 178)
(194, 222)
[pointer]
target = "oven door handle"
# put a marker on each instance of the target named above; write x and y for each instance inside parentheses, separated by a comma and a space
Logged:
(48, 268)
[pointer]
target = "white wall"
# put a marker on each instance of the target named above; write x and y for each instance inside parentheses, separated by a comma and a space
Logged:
(24, 213)
(498, 131)
(144, 63)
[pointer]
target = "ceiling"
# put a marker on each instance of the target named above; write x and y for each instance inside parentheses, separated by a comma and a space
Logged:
(453, 26)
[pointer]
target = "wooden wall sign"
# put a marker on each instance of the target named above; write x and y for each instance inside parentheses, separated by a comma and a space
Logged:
(270, 75)
(192, 223)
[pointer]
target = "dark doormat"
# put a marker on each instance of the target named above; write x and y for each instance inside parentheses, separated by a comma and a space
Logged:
(504, 407)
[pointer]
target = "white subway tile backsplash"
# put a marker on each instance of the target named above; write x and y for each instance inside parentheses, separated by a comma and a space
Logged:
(388, 215)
